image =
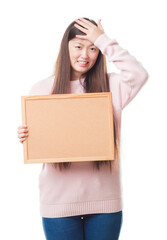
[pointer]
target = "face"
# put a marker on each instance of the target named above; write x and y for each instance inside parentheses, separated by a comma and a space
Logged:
(83, 55)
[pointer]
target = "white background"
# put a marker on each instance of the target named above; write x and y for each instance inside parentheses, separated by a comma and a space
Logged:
(30, 37)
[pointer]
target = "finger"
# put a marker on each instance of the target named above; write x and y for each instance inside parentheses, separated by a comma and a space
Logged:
(22, 140)
(81, 28)
(99, 24)
(23, 130)
(86, 22)
(82, 24)
(23, 135)
(22, 126)
(81, 36)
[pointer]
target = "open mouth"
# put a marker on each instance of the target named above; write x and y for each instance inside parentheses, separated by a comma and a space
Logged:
(83, 63)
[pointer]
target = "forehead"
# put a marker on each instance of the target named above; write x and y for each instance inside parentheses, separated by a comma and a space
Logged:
(81, 41)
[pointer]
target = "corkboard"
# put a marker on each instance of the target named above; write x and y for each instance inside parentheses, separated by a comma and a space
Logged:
(68, 127)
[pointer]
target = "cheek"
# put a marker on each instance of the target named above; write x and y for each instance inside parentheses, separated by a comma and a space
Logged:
(94, 58)
(73, 54)
(73, 58)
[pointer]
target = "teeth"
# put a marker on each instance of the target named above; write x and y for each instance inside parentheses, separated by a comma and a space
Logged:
(84, 62)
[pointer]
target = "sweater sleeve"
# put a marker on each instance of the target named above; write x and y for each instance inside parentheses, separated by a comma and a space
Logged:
(42, 87)
(132, 74)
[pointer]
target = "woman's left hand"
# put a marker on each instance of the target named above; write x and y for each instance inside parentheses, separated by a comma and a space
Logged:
(92, 31)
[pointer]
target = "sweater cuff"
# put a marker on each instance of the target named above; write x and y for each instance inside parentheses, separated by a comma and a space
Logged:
(103, 40)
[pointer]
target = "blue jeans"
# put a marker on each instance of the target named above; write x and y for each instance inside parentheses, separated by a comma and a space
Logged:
(105, 226)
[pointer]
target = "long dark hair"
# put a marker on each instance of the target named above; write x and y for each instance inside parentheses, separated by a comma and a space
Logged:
(96, 80)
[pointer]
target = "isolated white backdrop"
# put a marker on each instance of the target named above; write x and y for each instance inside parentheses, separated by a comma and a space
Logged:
(30, 37)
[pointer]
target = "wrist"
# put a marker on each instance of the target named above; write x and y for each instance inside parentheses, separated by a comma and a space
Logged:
(97, 36)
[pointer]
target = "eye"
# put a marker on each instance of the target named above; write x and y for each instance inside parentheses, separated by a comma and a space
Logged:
(78, 47)
(93, 49)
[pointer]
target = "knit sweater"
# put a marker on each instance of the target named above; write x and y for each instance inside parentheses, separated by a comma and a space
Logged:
(82, 189)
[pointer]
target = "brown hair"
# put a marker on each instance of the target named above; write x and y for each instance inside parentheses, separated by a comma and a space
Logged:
(96, 80)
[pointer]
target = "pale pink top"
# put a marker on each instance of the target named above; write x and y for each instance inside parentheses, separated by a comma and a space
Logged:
(81, 189)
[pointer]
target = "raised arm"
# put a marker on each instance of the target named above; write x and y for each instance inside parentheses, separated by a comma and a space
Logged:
(132, 74)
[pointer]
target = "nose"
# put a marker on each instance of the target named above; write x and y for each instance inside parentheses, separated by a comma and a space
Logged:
(84, 54)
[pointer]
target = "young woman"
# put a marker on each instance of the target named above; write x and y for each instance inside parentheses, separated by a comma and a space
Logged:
(82, 200)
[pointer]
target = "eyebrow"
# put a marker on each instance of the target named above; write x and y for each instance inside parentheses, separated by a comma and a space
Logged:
(83, 44)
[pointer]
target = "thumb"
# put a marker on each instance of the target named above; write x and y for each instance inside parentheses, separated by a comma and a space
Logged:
(99, 25)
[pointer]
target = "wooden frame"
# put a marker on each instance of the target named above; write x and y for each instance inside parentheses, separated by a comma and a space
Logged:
(68, 127)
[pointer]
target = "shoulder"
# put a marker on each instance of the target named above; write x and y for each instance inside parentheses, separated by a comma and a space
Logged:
(42, 87)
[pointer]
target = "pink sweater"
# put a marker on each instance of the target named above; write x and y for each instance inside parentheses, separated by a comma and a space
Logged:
(81, 189)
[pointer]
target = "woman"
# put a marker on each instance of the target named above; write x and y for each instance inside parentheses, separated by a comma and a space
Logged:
(82, 200)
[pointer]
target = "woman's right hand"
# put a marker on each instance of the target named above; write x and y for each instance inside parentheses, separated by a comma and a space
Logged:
(22, 132)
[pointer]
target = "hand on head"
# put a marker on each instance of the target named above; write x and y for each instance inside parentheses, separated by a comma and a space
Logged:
(91, 30)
